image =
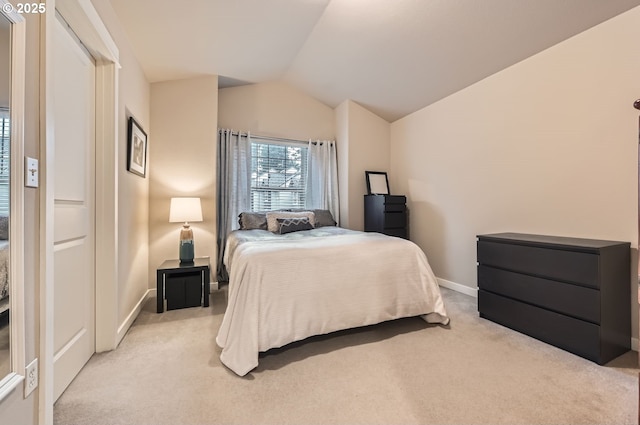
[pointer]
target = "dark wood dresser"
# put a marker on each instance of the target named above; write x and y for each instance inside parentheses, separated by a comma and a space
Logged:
(571, 293)
(386, 214)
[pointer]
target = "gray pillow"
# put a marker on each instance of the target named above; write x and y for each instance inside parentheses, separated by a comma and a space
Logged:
(288, 225)
(4, 227)
(324, 218)
(252, 220)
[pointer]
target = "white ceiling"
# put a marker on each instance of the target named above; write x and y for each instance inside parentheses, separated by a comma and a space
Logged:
(392, 56)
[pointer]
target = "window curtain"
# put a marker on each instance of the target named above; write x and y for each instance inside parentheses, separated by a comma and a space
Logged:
(234, 187)
(322, 177)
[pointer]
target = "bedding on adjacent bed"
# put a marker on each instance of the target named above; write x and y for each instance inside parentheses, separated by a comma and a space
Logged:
(285, 288)
(4, 276)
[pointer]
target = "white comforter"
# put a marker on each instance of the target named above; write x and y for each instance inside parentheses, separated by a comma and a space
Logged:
(284, 288)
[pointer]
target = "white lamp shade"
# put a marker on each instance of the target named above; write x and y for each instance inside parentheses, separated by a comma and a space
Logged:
(185, 210)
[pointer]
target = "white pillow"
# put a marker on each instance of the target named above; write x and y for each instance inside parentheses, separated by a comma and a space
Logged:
(272, 218)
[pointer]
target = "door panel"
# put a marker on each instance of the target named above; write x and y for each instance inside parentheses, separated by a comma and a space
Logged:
(74, 212)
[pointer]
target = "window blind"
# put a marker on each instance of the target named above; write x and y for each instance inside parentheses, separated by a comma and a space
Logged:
(5, 161)
(278, 175)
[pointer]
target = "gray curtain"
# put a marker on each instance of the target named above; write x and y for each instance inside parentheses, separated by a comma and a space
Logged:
(234, 187)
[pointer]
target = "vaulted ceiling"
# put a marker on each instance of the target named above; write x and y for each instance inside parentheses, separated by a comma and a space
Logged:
(391, 56)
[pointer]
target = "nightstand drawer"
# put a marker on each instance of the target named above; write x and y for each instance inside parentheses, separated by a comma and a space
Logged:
(569, 266)
(573, 300)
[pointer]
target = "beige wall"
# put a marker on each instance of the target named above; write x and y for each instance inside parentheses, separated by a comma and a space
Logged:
(547, 146)
(133, 191)
(182, 162)
(341, 113)
(275, 109)
(363, 145)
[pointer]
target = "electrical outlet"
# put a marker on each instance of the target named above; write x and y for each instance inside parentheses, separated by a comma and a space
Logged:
(31, 377)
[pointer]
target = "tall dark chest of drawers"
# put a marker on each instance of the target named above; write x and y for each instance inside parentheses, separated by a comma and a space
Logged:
(386, 214)
(571, 293)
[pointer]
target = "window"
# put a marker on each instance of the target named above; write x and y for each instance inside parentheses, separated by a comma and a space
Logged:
(5, 160)
(278, 175)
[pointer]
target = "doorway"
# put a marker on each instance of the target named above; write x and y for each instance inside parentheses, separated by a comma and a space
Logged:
(87, 25)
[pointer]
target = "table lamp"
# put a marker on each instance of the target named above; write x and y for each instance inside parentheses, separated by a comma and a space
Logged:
(185, 210)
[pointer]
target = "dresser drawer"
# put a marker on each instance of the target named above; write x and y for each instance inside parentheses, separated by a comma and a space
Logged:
(400, 232)
(395, 199)
(574, 335)
(573, 300)
(395, 219)
(395, 207)
(557, 264)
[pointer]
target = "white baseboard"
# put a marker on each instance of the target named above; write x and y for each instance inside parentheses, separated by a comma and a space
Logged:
(124, 327)
(464, 289)
(473, 292)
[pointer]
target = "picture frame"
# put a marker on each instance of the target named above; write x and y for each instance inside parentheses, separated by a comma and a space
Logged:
(377, 183)
(137, 149)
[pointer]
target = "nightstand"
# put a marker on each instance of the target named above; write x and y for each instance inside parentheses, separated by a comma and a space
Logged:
(183, 285)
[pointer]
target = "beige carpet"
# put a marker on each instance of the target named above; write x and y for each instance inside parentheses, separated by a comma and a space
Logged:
(167, 371)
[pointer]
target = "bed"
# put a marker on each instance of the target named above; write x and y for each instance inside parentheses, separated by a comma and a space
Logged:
(4, 282)
(288, 287)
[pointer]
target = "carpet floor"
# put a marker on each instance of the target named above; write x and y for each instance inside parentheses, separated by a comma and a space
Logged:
(167, 371)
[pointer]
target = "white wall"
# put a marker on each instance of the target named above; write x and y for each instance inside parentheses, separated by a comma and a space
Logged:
(363, 145)
(547, 146)
(275, 109)
(182, 162)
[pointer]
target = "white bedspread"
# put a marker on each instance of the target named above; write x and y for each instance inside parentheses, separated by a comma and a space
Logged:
(285, 288)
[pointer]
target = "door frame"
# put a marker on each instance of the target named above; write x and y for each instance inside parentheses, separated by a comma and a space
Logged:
(85, 21)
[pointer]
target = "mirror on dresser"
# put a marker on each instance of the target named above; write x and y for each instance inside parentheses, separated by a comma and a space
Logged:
(12, 69)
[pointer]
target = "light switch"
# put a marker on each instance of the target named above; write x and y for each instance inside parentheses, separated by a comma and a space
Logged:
(30, 172)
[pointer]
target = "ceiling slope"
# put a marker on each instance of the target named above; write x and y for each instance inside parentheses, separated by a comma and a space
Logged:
(392, 56)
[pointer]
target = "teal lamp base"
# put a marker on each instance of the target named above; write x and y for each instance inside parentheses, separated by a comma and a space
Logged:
(187, 248)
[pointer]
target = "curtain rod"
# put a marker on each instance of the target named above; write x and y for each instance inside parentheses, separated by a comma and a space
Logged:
(236, 133)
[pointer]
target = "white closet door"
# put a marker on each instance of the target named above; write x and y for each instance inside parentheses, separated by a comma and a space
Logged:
(74, 216)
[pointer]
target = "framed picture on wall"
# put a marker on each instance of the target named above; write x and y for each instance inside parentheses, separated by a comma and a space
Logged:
(377, 183)
(137, 149)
